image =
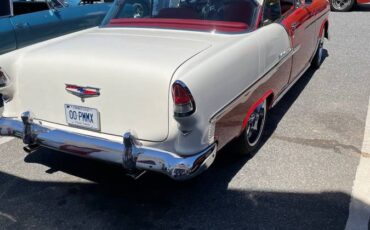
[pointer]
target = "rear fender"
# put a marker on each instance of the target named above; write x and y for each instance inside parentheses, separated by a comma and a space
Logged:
(254, 106)
(324, 26)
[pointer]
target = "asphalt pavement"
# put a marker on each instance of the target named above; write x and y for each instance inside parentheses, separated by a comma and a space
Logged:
(301, 178)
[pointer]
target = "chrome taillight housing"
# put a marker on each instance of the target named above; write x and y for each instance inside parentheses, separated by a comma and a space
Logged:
(183, 101)
(3, 79)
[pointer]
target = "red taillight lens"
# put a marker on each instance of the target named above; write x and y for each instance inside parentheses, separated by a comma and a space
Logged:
(180, 95)
(183, 100)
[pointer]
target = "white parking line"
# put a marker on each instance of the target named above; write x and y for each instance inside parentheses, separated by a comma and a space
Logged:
(4, 140)
(359, 210)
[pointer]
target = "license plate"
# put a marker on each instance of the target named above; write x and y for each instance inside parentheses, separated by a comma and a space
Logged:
(82, 117)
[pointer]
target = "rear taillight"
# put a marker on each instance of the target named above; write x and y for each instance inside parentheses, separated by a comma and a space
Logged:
(182, 99)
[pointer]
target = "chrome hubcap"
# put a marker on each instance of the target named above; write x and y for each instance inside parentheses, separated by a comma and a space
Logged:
(341, 4)
(255, 124)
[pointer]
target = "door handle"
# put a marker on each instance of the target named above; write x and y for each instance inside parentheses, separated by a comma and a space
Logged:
(294, 25)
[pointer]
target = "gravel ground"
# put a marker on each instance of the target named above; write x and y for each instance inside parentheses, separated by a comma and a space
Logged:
(301, 178)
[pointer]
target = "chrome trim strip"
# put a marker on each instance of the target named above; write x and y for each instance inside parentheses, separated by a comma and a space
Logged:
(130, 152)
(234, 102)
(290, 86)
(322, 15)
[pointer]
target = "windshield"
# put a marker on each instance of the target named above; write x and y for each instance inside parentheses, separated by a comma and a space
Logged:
(209, 15)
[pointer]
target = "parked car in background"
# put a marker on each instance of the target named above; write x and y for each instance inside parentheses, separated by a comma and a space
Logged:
(162, 89)
(26, 22)
(345, 5)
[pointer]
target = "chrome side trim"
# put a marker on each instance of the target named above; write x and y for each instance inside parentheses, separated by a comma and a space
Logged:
(290, 86)
(284, 53)
(318, 18)
(129, 153)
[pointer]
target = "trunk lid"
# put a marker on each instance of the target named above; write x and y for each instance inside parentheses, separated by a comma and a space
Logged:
(132, 70)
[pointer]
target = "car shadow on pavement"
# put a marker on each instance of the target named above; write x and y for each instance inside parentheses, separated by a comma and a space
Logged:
(154, 203)
(363, 8)
(106, 198)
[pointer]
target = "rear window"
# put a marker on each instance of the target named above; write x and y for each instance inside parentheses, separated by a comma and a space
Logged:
(212, 15)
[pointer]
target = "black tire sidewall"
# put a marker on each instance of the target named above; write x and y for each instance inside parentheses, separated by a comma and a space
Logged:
(242, 147)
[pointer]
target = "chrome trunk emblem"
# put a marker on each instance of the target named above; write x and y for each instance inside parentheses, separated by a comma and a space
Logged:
(82, 91)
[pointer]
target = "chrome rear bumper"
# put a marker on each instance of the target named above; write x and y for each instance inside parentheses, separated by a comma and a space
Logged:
(130, 153)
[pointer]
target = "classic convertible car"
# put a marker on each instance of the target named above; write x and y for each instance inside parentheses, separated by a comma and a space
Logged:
(26, 22)
(162, 89)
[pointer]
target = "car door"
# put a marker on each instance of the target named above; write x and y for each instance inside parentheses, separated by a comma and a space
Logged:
(301, 28)
(34, 22)
(272, 50)
(78, 17)
(7, 36)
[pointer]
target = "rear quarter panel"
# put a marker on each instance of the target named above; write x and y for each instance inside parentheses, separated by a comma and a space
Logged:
(225, 72)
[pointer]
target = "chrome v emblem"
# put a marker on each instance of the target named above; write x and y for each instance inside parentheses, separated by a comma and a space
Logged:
(83, 91)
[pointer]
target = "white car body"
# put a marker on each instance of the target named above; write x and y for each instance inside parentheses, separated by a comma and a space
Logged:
(135, 68)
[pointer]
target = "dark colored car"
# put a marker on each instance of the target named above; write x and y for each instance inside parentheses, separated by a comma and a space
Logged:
(26, 22)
